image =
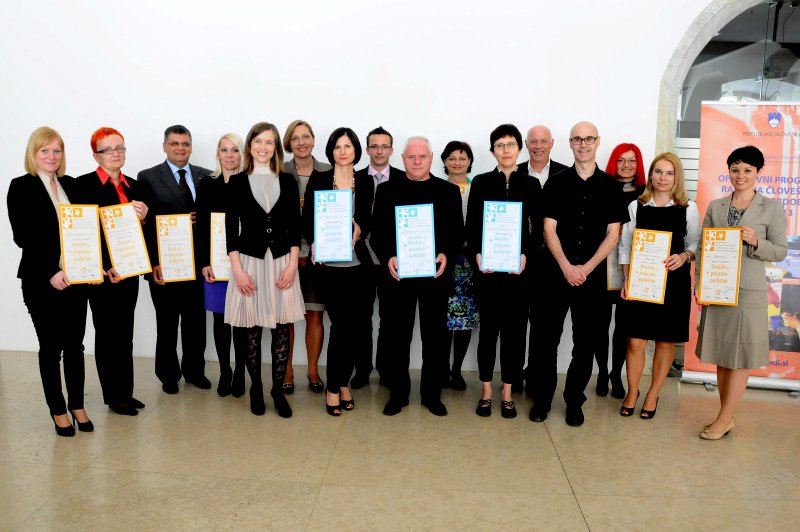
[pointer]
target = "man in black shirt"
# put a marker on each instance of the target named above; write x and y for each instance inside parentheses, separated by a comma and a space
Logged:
(401, 295)
(583, 213)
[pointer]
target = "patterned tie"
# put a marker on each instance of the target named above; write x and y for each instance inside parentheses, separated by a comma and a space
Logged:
(378, 178)
(187, 194)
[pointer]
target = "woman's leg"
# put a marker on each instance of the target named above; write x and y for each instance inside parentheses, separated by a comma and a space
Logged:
(222, 343)
(662, 361)
(635, 361)
(731, 393)
(280, 358)
(315, 336)
(461, 341)
(289, 377)
(248, 342)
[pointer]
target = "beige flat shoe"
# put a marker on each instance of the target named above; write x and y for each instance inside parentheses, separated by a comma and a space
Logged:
(707, 435)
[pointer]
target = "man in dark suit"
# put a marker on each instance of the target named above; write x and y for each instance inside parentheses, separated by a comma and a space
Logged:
(539, 143)
(403, 294)
(379, 149)
(172, 187)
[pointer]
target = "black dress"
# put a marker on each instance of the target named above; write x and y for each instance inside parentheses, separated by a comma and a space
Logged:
(668, 322)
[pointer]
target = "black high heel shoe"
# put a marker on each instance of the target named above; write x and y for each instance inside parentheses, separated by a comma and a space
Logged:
(281, 404)
(87, 426)
(67, 432)
(649, 414)
(625, 411)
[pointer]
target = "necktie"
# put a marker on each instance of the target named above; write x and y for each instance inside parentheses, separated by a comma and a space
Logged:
(187, 194)
(378, 178)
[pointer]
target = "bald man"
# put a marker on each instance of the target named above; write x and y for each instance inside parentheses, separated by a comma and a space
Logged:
(583, 211)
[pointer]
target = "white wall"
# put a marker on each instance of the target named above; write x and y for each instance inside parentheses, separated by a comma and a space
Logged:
(446, 69)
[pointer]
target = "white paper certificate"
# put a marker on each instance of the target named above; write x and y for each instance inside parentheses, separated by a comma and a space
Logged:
(81, 259)
(125, 241)
(220, 261)
(175, 249)
(720, 266)
(416, 245)
(613, 271)
(333, 226)
(647, 276)
(502, 233)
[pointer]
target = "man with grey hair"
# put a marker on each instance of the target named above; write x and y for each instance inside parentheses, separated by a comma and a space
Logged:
(417, 187)
(583, 210)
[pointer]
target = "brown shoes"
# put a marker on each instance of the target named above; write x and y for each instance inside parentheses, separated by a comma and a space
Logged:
(707, 435)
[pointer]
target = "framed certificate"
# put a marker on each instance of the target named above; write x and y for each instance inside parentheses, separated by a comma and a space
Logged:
(502, 234)
(613, 271)
(333, 226)
(125, 241)
(647, 276)
(175, 247)
(416, 243)
(81, 258)
(220, 262)
(720, 266)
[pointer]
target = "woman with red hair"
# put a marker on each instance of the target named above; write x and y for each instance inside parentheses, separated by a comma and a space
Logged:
(626, 165)
(113, 345)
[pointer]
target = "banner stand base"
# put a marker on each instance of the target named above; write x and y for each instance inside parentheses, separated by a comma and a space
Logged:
(701, 377)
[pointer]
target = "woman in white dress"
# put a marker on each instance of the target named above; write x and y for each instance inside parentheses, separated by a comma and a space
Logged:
(263, 237)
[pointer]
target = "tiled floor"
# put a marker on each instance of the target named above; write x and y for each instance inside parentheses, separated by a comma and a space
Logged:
(194, 461)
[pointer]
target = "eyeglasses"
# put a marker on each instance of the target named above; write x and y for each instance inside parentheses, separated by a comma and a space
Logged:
(623, 162)
(461, 159)
(379, 147)
(175, 144)
(109, 151)
(577, 141)
(503, 145)
(536, 142)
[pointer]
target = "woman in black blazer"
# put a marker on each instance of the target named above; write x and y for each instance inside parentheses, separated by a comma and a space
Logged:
(211, 197)
(502, 302)
(58, 310)
(262, 223)
(113, 344)
(345, 286)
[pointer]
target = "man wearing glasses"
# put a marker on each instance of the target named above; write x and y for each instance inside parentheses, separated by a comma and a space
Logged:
(172, 187)
(379, 149)
(539, 143)
(582, 215)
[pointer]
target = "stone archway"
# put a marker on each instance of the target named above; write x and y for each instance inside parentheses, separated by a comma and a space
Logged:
(712, 19)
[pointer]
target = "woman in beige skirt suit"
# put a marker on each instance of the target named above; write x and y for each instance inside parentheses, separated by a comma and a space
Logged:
(736, 338)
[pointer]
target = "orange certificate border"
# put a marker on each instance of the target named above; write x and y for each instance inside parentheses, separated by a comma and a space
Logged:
(108, 245)
(211, 245)
(191, 245)
(633, 258)
(702, 260)
(61, 239)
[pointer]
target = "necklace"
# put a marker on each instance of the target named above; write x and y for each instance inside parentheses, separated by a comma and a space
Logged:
(352, 184)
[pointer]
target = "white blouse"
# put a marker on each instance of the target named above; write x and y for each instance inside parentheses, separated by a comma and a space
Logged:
(690, 241)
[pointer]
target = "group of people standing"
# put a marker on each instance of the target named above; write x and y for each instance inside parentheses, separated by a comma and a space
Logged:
(573, 217)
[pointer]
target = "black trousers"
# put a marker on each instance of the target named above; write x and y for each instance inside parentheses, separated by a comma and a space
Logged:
(348, 294)
(588, 333)
(179, 303)
(376, 277)
(503, 305)
(401, 298)
(113, 307)
(59, 318)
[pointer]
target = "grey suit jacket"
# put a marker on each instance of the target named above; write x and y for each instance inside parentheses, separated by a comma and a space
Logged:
(768, 218)
(166, 198)
(302, 181)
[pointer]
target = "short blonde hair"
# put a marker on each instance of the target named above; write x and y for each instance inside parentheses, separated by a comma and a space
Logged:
(679, 196)
(287, 138)
(42, 137)
(236, 139)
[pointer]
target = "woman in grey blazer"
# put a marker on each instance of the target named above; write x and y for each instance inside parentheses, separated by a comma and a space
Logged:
(736, 338)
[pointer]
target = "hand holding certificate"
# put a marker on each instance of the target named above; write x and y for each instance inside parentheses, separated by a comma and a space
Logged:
(333, 226)
(81, 260)
(220, 262)
(175, 247)
(502, 233)
(647, 279)
(123, 233)
(720, 266)
(416, 255)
